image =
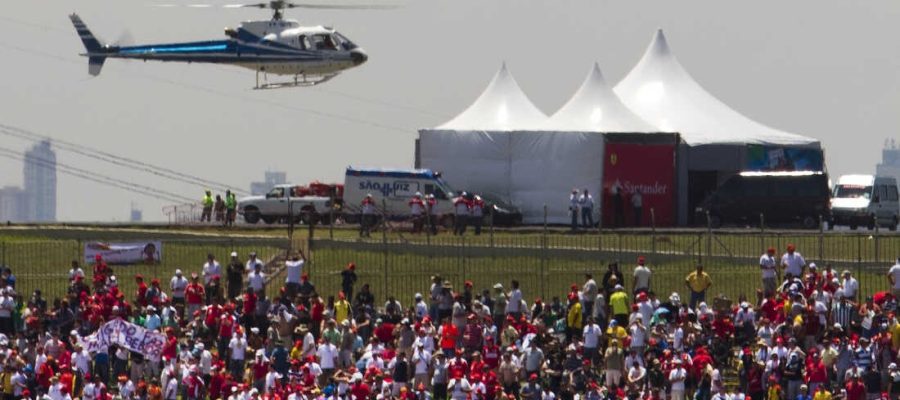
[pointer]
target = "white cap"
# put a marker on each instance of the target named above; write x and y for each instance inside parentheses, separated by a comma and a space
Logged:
(234, 254)
(418, 296)
(177, 272)
(812, 265)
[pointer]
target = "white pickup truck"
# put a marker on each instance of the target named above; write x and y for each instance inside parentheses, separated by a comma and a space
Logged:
(282, 202)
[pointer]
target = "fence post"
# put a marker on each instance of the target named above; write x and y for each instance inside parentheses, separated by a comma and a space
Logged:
(491, 232)
(384, 247)
(653, 231)
(821, 238)
(709, 234)
(331, 218)
(544, 255)
(877, 242)
(859, 256)
(762, 232)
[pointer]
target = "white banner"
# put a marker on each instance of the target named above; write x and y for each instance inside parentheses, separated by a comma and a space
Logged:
(130, 336)
(124, 253)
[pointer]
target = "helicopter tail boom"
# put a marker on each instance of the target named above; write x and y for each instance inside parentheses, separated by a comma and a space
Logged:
(94, 49)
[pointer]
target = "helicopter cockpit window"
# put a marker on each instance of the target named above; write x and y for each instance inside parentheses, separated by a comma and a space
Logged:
(324, 42)
(303, 42)
(345, 43)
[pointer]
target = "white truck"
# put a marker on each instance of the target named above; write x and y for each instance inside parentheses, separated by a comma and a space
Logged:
(865, 200)
(283, 202)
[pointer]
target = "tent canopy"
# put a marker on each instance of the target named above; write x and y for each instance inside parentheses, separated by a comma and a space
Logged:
(660, 91)
(595, 108)
(501, 107)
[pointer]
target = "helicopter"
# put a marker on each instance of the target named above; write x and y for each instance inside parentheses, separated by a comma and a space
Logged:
(311, 54)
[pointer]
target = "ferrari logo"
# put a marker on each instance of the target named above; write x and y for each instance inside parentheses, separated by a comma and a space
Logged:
(613, 158)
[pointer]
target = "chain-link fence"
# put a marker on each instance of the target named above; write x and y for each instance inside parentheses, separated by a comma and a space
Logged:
(45, 264)
(545, 261)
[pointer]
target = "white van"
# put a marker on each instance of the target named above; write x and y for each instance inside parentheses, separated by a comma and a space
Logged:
(865, 200)
(393, 188)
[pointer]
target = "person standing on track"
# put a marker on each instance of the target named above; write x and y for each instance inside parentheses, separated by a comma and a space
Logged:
(230, 208)
(432, 211)
(367, 220)
(417, 212)
(477, 216)
(573, 209)
(769, 268)
(207, 207)
(586, 203)
(462, 210)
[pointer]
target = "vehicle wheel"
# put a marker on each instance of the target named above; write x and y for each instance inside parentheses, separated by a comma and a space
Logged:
(810, 222)
(251, 215)
(325, 219)
(351, 218)
(715, 221)
(871, 224)
(314, 219)
(853, 226)
(893, 226)
(269, 220)
(447, 221)
(830, 225)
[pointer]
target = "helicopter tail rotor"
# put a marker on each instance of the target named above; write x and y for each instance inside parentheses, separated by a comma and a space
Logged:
(95, 51)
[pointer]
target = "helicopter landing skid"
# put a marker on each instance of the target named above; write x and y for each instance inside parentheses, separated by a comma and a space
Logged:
(298, 81)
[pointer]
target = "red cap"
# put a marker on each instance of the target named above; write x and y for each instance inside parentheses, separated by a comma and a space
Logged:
(98, 257)
(641, 259)
(791, 247)
(351, 266)
(533, 377)
(468, 283)
(138, 277)
(771, 250)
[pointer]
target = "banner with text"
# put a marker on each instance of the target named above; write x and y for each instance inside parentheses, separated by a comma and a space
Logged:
(124, 253)
(127, 335)
(636, 178)
(773, 158)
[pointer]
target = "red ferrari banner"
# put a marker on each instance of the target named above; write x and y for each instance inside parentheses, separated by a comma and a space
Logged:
(636, 179)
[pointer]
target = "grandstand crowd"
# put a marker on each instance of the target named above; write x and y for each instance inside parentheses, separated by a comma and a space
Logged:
(807, 333)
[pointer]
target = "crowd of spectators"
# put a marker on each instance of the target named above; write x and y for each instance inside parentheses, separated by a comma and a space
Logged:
(807, 333)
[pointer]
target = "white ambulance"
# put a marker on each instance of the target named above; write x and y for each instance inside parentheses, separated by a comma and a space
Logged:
(392, 189)
(865, 200)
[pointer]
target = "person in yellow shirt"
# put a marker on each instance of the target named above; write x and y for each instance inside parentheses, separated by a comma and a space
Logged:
(775, 390)
(698, 282)
(895, 334)
(341, 308)
(574, 323)
(616, 333)
(618, 305)
(822, 393)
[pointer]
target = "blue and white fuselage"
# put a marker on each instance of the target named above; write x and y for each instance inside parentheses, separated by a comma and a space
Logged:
(280, 47)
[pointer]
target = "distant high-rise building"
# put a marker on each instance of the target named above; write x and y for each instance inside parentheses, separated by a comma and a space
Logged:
(40, 183)
(272, 178)
(13, 204)
(136, 214)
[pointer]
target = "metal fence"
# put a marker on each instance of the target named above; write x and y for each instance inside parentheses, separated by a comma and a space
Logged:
(545, 261)
(45, 264)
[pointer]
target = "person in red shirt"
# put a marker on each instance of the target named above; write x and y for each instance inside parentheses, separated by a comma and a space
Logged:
(856, 390)
(458, 366)
(140, 295)
(477, 365)
(448, 333)
(194, 294)
(384, 331)
(216, 383)
(359, 389)
(491, 353)
(249, 308)
(44, 373)
(170, 349)
(816, 373)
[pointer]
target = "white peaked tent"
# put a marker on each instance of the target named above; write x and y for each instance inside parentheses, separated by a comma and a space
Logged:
(473, 149)
(502, 145)
(660, 91)
(567, 151)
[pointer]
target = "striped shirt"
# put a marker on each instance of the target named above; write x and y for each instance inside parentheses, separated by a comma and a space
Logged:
(841, 313)
(864, 357)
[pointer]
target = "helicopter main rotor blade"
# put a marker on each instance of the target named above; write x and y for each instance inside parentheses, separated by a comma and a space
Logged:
(342, 6)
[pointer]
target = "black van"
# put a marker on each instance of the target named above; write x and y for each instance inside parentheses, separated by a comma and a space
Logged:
(782, 197)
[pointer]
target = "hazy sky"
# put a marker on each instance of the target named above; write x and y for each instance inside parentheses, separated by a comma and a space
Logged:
(825, 69)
